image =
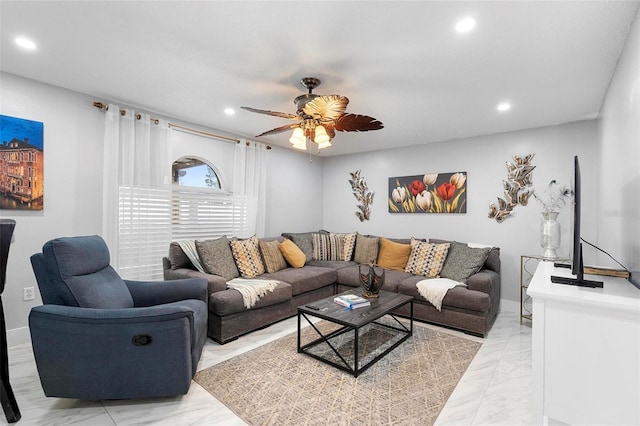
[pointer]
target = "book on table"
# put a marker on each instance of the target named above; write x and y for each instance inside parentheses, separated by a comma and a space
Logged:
(351, 301)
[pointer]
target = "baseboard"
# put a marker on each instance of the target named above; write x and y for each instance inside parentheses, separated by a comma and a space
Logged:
(18, 336)
(509, 306)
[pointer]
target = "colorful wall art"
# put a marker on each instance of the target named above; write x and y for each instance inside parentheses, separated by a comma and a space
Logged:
(428, 193)
(21, 164)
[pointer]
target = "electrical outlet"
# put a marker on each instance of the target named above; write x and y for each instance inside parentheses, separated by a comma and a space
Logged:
(28, 293)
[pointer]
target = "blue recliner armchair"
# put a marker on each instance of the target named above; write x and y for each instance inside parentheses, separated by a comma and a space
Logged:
(100, 337)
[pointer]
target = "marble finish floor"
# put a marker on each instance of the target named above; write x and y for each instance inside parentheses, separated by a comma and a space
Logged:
(495, 389)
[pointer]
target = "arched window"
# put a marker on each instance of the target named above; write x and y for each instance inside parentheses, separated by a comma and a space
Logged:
(191, 171)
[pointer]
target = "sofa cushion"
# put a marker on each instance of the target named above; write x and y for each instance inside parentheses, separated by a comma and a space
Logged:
(326, 246)
(393, 255)
(426, 259)
(350, 276)
(348, 245)
(333, 264)
(366, 250)
(247, 256)
(463, 261)
(292, 253)
(304, 279)
(230, 301)
(216, 257)
(457, 297)
(303, 240)
(272, 256)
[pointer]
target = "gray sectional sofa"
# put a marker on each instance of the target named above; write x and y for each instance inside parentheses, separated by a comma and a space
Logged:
(471, 308)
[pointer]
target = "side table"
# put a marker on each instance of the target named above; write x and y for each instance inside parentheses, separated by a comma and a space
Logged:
(528, 265)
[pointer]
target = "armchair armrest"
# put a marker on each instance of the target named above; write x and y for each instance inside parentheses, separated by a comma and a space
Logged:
(149, 293)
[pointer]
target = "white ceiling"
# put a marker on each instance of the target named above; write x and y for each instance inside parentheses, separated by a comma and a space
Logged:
(400, 62)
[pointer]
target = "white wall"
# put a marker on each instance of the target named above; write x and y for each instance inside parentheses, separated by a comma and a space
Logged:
(483, 158)
(619, 180)
(73, 146)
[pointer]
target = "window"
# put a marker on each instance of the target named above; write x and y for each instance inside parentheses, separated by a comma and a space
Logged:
(190, 171)
(201, 208)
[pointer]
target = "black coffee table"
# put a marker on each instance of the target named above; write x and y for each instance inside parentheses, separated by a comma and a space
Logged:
(364, 335)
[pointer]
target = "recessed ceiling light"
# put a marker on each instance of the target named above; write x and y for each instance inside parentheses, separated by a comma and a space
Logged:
(504, 106)
(229, 111)
(465, 25)
(25, 43)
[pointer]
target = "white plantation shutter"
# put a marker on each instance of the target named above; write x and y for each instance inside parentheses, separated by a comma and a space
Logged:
(144, 228)
(201, 213)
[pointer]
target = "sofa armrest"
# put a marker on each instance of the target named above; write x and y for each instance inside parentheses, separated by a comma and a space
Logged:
(215, 283)
(150, 293)
(487, 281)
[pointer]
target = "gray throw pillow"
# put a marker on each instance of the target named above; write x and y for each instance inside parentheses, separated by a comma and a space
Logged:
(216, 257)
(303, 240)
(366, 249)
(463, 261)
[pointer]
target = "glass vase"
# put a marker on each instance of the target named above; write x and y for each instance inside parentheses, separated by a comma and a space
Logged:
(550, 234)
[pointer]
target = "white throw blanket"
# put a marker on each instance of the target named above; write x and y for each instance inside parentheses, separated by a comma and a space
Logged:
(189, 248)
(434, 289)
(251, 289)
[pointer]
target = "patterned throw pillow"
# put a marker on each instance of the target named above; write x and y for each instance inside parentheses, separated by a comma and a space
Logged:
(292, 253)
(326, 246)
(463, 261)
(366, 249)
(272, 256)
(392, 255)
(247, 256)
(348, 244)
(426, 258)
(216, 257)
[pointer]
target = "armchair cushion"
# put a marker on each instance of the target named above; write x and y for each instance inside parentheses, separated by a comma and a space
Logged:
(79, 268)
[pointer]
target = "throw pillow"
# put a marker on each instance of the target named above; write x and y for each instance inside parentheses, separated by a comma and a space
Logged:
(292, 253)
(463, 261)
(426, 258)
(216, 257)
(272, 256)
(348, 244)
(326, 246)
(304, 242)
(247, 256)
(393, 255)
(366, 249)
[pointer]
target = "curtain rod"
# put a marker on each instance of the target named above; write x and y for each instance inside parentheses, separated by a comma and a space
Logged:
(104, 107)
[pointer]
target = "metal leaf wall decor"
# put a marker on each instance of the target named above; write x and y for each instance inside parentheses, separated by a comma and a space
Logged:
(519, 178)
(365, 198)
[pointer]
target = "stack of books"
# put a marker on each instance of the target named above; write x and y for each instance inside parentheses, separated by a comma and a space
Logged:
(351, 301)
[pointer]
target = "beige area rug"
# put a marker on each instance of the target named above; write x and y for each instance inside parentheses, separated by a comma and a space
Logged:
(274, 385)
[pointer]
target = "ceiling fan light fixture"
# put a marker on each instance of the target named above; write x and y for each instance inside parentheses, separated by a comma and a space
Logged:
(302, 146)
(298, 137)
(321, 137)
(322, 145)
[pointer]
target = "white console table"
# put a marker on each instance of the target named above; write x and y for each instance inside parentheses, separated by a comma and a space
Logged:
(586, 351)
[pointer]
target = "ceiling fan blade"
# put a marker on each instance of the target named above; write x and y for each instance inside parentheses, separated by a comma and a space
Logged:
(328, 107)
(357, 123)
(279, 129)
(274, 113)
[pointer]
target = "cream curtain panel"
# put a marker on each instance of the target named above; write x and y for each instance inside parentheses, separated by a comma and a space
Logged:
(136, 192)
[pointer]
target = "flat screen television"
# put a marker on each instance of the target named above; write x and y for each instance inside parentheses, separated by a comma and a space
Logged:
(577, 265)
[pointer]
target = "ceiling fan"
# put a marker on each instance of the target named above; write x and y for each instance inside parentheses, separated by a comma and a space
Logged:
(318, 118)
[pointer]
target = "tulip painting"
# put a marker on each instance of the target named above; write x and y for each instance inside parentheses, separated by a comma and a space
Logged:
(428, 193)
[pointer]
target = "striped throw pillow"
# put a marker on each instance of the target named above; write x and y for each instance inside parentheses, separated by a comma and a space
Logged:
(326, 246)
(348, 244)
(272, 256)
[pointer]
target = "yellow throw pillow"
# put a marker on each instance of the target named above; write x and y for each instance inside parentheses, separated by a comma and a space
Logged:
(294, 256)
(393, 255)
